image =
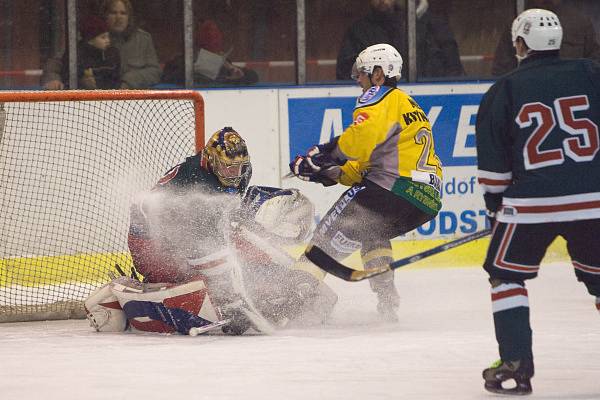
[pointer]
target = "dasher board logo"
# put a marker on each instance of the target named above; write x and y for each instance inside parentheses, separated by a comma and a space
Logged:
(369, 94)
(314, 120)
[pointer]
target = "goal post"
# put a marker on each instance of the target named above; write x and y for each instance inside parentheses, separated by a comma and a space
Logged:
(71, 164)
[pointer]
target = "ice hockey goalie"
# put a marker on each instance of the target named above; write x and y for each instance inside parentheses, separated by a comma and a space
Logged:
(245, 282)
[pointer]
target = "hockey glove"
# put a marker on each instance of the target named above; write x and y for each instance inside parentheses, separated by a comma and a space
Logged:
(491, 217)
(316, 166)
(493, 202)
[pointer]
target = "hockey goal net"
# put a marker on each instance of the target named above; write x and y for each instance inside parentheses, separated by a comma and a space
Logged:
(71, 162)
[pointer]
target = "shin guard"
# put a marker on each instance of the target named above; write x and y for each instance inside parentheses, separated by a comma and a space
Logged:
(510, 305)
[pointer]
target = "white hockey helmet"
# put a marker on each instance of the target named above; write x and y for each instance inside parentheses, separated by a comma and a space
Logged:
(379, 55)
(540, 29)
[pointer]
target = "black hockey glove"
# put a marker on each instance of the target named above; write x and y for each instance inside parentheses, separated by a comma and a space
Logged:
(316, 166)
(493, 202)
(491, 217)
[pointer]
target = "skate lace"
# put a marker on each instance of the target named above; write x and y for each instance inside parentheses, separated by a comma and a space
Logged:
(496, 364)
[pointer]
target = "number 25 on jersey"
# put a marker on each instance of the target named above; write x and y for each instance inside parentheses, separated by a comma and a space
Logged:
(580, 148)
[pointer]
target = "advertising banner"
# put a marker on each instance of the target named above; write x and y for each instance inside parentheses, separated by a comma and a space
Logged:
(317, 115)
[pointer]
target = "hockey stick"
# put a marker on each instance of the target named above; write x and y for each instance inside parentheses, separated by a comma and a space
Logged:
(335, 268)
(195, 331)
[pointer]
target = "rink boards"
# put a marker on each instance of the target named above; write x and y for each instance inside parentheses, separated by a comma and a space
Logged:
(279, 123)
(24, 271)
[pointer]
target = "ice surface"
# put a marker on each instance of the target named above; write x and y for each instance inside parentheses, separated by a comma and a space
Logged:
(444, 339)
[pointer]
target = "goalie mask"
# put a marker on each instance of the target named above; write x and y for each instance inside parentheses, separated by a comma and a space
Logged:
(227, 157)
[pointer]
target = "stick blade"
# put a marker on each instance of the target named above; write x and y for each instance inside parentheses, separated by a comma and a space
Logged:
(327, 263)
(337, 269)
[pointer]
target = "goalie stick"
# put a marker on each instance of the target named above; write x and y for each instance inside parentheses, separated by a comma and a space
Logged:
(195, 331)
(335, 268)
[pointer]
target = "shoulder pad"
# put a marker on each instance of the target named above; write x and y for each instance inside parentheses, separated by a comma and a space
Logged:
(172, 173)
(372, 96)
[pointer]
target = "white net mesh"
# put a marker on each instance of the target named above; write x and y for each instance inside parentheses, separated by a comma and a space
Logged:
(68, 173)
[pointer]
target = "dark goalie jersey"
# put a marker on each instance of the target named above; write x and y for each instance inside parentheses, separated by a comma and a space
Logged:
(192, 174)
(187, 206)
(538, 141)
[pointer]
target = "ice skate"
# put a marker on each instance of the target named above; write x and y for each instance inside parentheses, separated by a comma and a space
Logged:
(520, 371)
(239, 323)
(308, 301)
(388, 299)
(244, 316)
(387, 306)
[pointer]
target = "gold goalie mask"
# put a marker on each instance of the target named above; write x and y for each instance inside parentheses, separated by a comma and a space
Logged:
(227, 157)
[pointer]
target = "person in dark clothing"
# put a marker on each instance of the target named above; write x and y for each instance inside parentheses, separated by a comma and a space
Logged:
(209, 38)
(538, 165)
(139, 62)
(579, 40)
(99, 64)
(437, 50)
(222, 167)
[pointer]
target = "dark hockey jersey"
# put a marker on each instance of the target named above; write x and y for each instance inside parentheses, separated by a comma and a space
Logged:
(186, 207)
(193, 175)
(538, 141)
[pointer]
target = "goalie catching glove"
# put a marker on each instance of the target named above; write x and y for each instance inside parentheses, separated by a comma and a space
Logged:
(285, 215)
(316, 166)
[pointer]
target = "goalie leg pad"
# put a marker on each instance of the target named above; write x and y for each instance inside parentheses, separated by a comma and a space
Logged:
(218, 270)
(104, 311)
(167, 308)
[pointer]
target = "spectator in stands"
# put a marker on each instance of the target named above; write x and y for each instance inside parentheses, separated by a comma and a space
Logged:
(98, 63)
(211, 64)
(139, 63)
(579, 37)
(437, 50)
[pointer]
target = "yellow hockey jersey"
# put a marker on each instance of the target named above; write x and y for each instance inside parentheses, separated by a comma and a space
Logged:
(390, 138)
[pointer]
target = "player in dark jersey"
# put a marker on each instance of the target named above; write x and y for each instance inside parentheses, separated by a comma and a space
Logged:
(210, 251)
(180, 219)
(538, 164)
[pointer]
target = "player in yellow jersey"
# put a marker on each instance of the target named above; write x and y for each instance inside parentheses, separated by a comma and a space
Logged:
(388, 158)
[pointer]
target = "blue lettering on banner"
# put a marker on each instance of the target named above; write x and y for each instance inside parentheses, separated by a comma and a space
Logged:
(453, 127)
(454, 186)
(305, 118)
(455, 223)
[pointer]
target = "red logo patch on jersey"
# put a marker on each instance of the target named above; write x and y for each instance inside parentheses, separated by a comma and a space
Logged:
(360, 118)
(169, 175)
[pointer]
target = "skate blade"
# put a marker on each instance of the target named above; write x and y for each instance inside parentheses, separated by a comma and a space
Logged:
(518, 390)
